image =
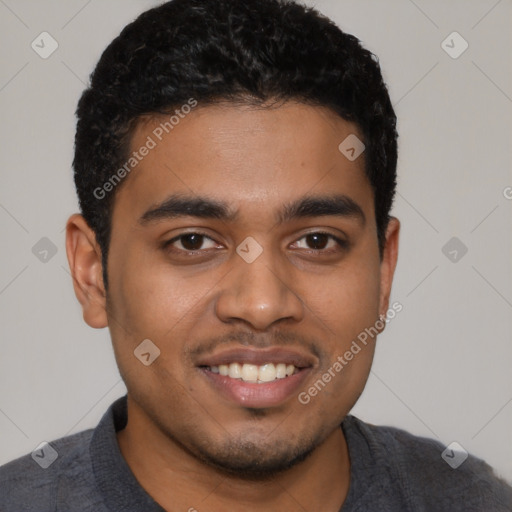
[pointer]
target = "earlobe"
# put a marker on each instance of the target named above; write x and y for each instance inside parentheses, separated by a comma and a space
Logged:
(388, 263)
(84, 257)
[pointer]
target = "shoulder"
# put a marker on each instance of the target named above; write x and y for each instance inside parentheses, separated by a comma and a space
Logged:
(38, 480)
(435, 475)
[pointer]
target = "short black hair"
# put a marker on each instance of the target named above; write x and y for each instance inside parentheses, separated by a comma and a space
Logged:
(250, 52)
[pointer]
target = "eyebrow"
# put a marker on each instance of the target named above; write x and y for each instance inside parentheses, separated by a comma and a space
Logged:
(188, 206)
(322, 206)
(205, 208)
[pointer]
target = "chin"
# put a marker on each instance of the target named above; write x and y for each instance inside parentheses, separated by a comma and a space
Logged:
(250, 461)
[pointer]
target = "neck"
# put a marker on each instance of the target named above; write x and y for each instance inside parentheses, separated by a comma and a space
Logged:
(176, 480)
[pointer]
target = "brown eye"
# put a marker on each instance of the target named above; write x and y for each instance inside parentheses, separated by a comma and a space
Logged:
(192, 242)
(189, 242)
(317, 241)
(323, 242)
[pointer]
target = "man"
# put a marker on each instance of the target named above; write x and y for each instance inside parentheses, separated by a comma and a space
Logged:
(235, 164)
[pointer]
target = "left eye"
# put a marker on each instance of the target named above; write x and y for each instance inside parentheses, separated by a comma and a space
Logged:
(319, 242)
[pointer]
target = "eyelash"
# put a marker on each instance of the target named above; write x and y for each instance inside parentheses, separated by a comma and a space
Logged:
(342, 244)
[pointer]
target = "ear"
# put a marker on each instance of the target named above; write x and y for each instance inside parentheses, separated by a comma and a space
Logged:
(84, 257)
(388, 263)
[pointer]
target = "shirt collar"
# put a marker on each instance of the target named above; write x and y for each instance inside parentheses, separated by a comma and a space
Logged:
(114, 478)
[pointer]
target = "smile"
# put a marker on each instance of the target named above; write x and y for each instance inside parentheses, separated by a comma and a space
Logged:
(257, 378)
(253, 373)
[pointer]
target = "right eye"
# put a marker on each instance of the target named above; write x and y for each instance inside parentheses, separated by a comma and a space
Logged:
(190, 242)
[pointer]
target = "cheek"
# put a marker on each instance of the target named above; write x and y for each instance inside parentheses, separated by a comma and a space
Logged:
(346, 300)
(348, 310)
(151, 296)
(361, 298)
(163, 304)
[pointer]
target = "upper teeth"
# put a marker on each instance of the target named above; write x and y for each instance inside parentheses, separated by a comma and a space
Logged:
(254, 373)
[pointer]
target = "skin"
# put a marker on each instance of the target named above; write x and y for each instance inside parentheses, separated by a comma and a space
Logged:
(256, 161)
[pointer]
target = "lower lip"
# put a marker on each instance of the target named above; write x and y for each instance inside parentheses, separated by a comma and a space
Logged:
(248, 394)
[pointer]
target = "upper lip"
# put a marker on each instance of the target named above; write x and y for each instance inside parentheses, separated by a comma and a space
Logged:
(244, 355)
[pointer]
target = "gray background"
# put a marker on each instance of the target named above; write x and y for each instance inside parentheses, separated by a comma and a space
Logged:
(442, 367)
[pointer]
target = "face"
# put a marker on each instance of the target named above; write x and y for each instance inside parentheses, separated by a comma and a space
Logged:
(244, 246)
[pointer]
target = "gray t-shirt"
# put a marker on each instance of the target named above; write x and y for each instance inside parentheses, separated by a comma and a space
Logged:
(391, 471)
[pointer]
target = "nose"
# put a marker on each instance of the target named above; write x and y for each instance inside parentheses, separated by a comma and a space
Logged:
(258, 293)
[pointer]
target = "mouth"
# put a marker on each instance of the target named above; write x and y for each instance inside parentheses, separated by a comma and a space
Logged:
(259, 374)
(257, 378)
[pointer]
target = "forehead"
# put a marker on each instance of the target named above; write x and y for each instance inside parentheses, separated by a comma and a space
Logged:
(249, 156)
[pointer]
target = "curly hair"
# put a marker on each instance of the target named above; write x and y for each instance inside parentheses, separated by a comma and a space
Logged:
(249, 52)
